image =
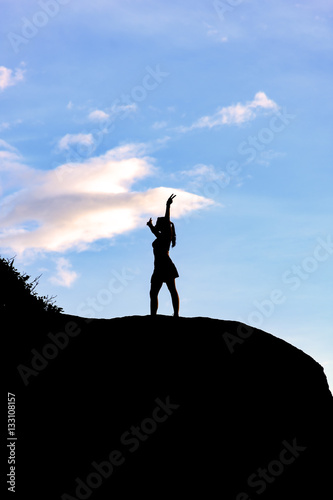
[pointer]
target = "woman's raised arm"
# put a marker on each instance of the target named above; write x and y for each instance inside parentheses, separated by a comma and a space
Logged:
(168, 203)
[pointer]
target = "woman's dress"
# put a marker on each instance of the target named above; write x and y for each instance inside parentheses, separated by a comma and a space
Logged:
(164, 268)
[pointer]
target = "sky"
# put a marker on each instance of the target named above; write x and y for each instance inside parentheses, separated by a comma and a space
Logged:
(109, 107)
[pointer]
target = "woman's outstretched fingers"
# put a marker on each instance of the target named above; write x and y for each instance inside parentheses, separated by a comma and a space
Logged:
(171, 198)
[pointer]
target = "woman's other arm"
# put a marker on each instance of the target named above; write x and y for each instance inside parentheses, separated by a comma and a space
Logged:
(152, 227)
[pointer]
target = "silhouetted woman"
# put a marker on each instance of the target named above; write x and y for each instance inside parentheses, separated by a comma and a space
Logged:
(164, 269)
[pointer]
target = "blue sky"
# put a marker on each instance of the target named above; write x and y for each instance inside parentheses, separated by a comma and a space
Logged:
(108, 107)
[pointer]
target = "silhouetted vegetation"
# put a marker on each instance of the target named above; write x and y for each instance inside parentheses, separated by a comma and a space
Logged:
(18, 292)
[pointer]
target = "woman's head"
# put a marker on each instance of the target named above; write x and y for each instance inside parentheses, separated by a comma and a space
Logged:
(161, 224)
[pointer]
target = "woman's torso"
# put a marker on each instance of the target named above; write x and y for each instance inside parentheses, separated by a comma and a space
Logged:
(161, 247)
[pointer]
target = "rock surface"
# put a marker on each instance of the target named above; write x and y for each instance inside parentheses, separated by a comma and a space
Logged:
(167, 408)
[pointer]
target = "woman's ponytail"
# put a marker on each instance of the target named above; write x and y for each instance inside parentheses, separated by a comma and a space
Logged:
(173, 234)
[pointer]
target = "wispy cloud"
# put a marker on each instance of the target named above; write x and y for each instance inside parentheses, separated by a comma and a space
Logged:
(159, 125)
(123, 108)
(202, 175)
(202, 172)
(4, 126)
(9, 125)
(265, 157)
(8, 77)
(65, 276)
(214, 33)
(12, 168)
(74, 205)
(99, 115)
(4, 145)
(235, 114)
(78, 139)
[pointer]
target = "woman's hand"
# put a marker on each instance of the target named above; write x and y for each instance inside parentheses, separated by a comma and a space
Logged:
(170, 200)
(150, 222)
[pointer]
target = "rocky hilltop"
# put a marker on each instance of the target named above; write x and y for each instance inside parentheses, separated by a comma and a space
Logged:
(166, 408)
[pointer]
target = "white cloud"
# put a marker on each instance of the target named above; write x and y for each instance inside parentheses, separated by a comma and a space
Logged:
(70, 139)
(98, 116)
(65, 275)
(235, 114)
(76, 204)
(8, 78)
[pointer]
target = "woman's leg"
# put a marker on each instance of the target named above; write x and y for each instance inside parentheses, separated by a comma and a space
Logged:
(155, 287)
(174, 296)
